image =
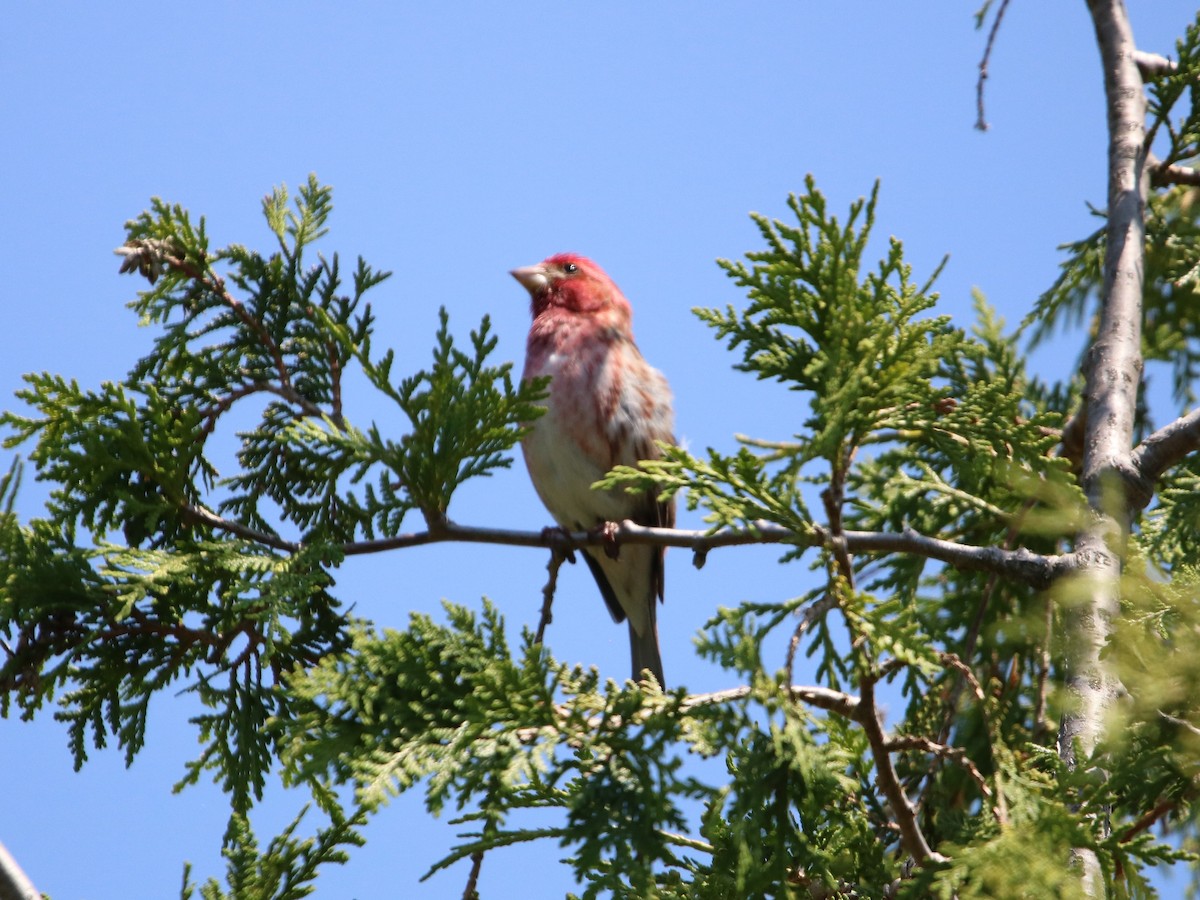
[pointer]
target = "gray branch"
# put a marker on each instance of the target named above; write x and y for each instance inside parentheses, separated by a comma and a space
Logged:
(1035, 569)
(1163, 449)
(1113, 373)
(14, 885)
(1165, 175)
(1151, 65)
(825, 698)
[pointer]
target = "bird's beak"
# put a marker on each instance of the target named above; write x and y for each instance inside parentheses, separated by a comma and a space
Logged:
(533, 278)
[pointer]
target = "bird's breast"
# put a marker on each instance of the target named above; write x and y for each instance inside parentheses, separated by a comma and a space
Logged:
(570, 447)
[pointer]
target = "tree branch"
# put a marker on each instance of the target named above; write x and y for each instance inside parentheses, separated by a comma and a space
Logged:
(821, 697)
(1164, 175)
(1148, 819)
(981, 119)
(1163, 449)
(1113, 371)
(1035, 569)
(471, 891)
(1030, 568)
(825, 698)
(557, 555)
(925, 745)
(862, 709)
(1151, 65)
(911, 835)
(14, 884)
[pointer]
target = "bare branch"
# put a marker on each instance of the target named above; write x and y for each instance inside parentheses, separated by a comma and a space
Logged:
(471, 891)
(1023, 565)
(1113, 373)
(1035, 569)
(823, 698)
(691, 843)
(1072, 436)
(557, 556)
(210, 518)
(981, 119)
(814, 612)
(911, 836)
(1166, 174)
(1149, 819)
(912, 742)
(1165, 448)
(1151, 65)
(14, 884)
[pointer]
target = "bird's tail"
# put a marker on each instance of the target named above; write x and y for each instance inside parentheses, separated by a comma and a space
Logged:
(644, 650)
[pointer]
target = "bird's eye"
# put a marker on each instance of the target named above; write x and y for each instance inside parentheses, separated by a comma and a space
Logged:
(570, 268)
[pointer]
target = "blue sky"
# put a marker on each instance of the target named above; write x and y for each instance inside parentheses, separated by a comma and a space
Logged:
(461, 141)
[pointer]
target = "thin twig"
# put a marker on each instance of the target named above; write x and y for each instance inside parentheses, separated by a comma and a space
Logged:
(471, 891)
(223, 404)
(839, 702)
(215, 283)
(335, 382)
(1072, 436)
(1043, 678)
(912, 742)
(691, 843)
(981, 119)
(968, 652)
(821, 697)
(1148, 820)
(952, 660)
(911, 836)
(814, 612)
(557, 556)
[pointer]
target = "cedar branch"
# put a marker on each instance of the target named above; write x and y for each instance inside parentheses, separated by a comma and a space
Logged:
(1035, 569)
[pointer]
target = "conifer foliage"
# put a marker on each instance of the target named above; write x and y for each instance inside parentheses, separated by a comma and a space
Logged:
(964, 532)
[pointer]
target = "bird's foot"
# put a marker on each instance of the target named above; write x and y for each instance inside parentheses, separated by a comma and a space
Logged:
(559, 541)
(607, 532)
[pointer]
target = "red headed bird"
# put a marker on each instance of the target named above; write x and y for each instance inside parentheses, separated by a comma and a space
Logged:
(607, 407)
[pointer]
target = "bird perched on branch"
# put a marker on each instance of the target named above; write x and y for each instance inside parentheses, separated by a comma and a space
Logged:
(607, 407)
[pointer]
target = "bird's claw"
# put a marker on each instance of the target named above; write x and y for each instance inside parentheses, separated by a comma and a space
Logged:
(607, 533)
(558, 539)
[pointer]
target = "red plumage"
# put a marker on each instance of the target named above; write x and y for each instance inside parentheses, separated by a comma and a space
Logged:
(607, 407)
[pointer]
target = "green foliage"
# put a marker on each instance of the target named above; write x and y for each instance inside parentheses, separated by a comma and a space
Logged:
(855, 348)
(222, 583)
(915, 428)
(451, 707)
(462, 415)
(287, 868)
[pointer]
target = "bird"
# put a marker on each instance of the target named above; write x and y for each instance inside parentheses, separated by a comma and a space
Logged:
(606, 407)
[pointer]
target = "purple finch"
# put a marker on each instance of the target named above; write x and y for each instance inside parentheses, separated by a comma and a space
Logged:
(606, 407)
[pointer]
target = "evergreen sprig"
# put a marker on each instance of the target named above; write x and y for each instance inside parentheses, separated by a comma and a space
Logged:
(205, 594)
(223, 587)
(286, 869)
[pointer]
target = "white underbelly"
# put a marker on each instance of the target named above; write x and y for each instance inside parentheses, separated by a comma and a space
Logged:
(563, 475)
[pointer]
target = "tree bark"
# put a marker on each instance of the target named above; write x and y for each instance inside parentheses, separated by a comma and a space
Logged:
(1113, 374)
(14, 885)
